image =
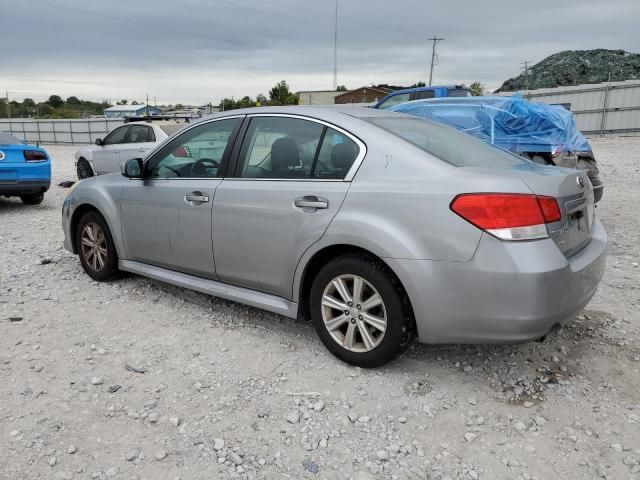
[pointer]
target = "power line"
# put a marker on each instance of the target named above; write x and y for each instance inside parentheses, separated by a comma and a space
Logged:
(436, 41)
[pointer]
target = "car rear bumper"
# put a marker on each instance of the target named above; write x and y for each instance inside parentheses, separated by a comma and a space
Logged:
(510, 292)
(24, 178)
(21, 187)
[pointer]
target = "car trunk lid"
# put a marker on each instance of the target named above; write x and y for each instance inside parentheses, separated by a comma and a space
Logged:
(574, 193)
(11, 154)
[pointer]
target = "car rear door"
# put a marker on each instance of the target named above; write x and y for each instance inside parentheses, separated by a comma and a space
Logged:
(166, 215)
(291, 176)
(106, 157)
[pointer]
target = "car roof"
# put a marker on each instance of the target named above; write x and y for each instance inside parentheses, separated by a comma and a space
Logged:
(157, 123)
(330, 113)
(425, 89)
(471, 100)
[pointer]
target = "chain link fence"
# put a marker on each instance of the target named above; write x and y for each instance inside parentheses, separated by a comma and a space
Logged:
(59, 132)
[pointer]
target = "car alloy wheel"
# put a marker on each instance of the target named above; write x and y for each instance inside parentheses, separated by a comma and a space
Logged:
(354, 313)
(94, 246)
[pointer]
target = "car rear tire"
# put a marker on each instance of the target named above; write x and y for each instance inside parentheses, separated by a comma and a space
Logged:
(95, 246)
(539, 159)
(360, 311)
(84, 169)
(32, 198)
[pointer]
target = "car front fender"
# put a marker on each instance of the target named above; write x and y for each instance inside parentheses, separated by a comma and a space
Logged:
(103, 196)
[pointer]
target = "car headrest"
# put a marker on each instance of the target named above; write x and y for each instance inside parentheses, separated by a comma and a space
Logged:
(284, 154)
(343, 155)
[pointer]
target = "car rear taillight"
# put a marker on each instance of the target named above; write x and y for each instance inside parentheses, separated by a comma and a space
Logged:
(557, 150)
(508, 216)
(34, 156)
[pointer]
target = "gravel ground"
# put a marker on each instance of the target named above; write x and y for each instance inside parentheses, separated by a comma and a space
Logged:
(137, 379)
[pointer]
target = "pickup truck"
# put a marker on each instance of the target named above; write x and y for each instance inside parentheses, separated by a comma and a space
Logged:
(422, 93)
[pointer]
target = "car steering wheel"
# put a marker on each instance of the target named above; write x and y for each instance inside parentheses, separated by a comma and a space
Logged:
(199, 167)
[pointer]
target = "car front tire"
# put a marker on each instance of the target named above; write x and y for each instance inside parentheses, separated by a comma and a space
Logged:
(95, 247)
(32, 198)
(360, 311)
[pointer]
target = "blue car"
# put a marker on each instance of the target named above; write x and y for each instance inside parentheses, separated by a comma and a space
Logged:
(542, 133)
(25, 170)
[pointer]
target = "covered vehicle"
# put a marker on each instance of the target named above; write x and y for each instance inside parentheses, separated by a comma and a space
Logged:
(546, 134)
(25, 170)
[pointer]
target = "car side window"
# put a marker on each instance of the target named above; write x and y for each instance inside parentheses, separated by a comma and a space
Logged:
(116, 136)
(395, 100)
(141, 134)
(279, 147)
(336, 155)
(196, 153)
(425, 94)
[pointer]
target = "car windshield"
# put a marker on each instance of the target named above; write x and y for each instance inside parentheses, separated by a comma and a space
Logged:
(7, 139)
(447, 144)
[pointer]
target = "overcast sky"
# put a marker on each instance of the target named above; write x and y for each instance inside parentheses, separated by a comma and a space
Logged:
(196, 51)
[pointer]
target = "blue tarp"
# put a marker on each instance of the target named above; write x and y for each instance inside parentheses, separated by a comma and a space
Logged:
(511, 123)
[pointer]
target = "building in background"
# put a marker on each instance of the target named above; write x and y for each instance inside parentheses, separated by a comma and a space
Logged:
(364, 94)
(318, 97)
(130, 111)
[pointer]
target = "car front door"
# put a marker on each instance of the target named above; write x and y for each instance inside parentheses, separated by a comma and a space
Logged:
(166, 215)
(290, 179)
(139, 141)
(106, 157)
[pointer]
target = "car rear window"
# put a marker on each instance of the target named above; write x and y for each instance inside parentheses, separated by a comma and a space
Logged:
(447, 144)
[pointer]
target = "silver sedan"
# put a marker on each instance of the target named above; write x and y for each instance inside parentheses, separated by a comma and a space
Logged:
(378, 226)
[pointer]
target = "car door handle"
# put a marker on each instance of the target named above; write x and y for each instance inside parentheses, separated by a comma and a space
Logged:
(311, 201)
(196, 197)
(141, 149)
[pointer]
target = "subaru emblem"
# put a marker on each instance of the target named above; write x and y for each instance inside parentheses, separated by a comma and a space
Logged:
(580, 181)
(1, 155)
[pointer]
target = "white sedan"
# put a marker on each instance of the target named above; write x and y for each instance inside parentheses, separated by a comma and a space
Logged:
(130, 140)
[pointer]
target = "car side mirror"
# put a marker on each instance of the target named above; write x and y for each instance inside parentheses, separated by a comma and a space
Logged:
(99, 142)
(132, 168)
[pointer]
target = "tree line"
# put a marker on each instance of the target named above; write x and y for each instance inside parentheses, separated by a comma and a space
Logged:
(72, 107)
(54, 107)
(280, 94)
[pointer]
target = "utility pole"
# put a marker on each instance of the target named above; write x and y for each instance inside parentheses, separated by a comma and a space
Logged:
(147, 105)
(526, 73)
(435, 41)
(335, 50)
(8, 106)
